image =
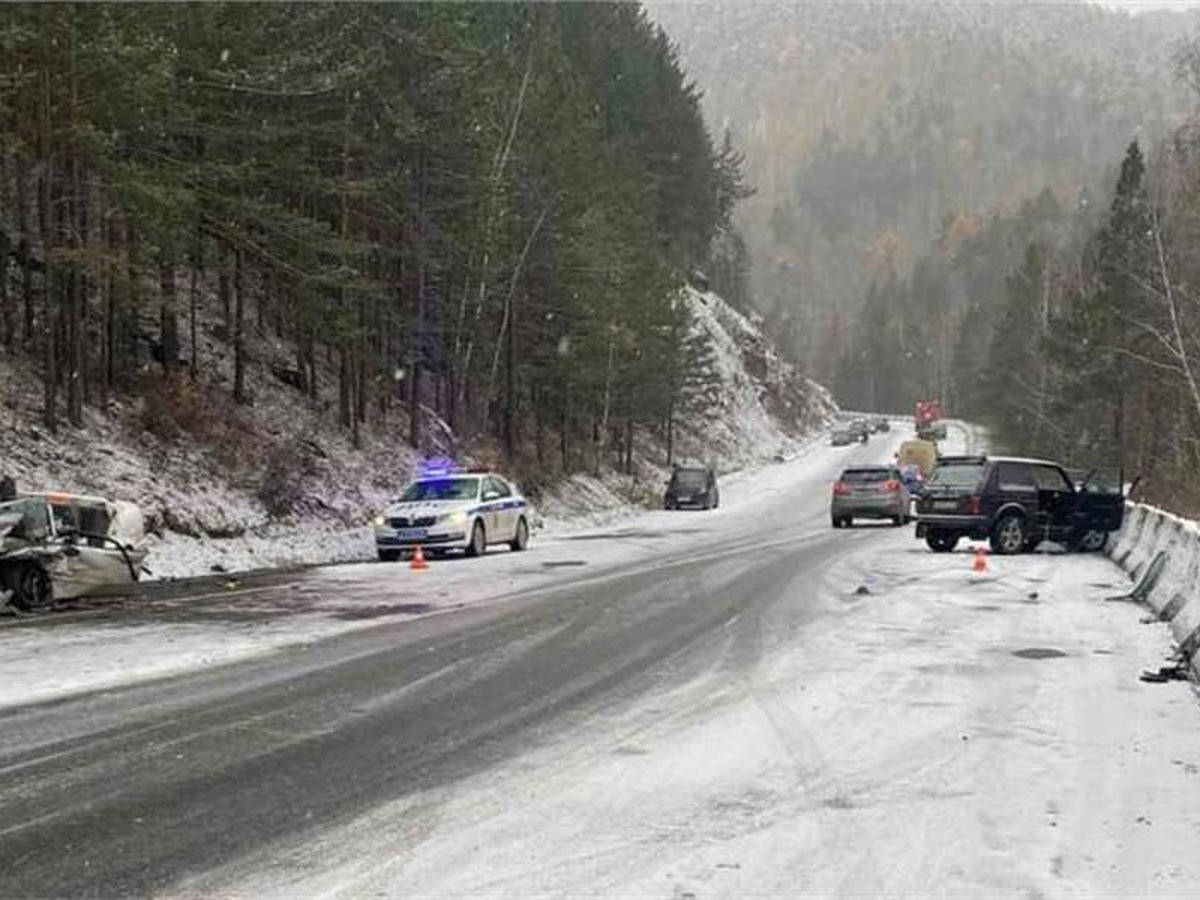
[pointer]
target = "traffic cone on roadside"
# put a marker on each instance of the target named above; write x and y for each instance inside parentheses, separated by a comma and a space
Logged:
(980, 564)
(418, 562)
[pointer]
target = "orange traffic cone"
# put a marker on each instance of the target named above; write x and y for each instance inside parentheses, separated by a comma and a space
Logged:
(980, 564)
(418, 562)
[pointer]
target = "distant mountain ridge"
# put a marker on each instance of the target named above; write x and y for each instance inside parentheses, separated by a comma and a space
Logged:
(869, 128)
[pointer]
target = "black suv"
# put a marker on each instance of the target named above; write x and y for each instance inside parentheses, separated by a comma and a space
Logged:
(1015, 504)
(696, 488)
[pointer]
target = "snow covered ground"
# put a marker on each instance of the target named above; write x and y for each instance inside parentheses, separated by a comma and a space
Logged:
(947, 734)
(939, 732)
(51, 659)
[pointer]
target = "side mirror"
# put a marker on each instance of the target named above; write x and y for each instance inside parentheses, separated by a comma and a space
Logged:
(491, 495)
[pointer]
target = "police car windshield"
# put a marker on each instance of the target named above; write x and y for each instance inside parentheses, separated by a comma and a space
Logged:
(442, 489)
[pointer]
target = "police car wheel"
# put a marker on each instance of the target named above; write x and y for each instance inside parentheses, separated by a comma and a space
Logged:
(478, 545)
(521, 539)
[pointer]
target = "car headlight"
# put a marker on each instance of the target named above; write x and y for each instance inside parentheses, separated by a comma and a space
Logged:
(459, 517)
(377, 521)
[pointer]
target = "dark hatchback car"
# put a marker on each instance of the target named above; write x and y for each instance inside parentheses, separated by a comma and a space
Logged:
(1015, 504)
(692, 488)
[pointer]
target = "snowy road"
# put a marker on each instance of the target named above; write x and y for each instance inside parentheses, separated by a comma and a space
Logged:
(711, 712)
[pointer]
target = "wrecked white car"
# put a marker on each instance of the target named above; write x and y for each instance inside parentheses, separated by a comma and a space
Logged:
(65, 546)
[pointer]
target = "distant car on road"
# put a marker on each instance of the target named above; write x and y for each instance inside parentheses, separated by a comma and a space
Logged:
(881, 423)
(694, 488)
(452, 510)
(1015, 504)
(841, 437)
(869, 492)
(860, 429)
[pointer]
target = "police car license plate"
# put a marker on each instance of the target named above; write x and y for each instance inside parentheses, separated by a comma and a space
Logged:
(412, 534)
(945, 504)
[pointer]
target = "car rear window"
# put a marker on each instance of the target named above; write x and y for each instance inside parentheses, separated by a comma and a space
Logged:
(869, 476)
(966, 476)
(690, 478)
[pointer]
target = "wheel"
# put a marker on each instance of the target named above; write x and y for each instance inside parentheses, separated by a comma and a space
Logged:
(898, 521)
(389, 555)
(1009, 535)
(837, 523)
(941, 541)
(521, 539)
(30, 586)
(1090, 541)
(847, 521)
(478, 545)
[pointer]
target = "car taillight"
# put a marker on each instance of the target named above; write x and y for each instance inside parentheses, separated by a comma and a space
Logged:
(974, 506)
(891, 486)
(841, 488)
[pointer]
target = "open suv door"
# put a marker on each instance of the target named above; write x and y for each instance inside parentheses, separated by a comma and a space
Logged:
(1099, 508)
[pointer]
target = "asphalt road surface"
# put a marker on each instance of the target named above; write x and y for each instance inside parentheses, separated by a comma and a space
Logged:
(194, 784)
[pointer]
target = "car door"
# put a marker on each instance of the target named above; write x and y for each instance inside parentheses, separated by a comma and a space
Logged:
(93, 563)
(1100, 502)
(501, 516)
(1015, 484)
(1056, 501)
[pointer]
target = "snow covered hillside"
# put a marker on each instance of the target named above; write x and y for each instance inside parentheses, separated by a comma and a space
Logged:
(765, 403)
(278, 483)
(764, 408)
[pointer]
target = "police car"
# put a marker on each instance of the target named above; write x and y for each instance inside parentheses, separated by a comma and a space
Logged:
(447, 509)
